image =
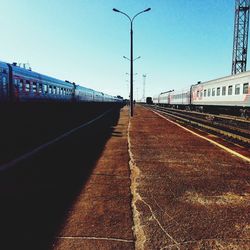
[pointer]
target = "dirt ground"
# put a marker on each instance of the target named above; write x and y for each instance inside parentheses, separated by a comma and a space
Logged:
(157, 186)
(187, 193)
(101, 216)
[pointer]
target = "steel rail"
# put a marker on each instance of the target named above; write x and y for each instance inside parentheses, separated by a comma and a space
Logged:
(212, 129)
(226, 117)
(215, 123)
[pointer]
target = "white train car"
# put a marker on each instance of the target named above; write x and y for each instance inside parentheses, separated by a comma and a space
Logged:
(156, 99)
(230, 94)
(233, 91)
(163, 98)
(179, 98)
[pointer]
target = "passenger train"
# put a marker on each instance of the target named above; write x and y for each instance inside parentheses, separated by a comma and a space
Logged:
(20, 84)
(230, 94)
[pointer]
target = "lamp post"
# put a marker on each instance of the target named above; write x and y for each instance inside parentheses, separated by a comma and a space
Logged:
(131, 53)
(128, 81)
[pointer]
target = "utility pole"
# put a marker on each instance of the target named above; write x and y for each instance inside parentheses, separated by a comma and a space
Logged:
(241, 27)
(144, 83)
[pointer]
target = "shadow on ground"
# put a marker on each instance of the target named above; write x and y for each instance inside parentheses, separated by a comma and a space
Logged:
(38, 192)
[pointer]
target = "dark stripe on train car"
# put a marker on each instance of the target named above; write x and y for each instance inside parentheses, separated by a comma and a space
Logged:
(11, 84)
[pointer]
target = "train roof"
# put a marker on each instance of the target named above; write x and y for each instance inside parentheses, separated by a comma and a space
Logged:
(226, 78)
(83, 88)
(33, 74)
(30, 73)
(3, 64)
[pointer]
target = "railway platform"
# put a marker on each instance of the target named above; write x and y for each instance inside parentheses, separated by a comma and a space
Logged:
(101, 217)
(160, 186)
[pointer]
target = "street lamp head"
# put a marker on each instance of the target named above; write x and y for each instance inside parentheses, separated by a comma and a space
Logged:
(126, 58)
(148, 9)
(116, 10)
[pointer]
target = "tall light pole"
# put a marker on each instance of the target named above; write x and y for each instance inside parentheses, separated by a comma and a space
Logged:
(131, 54)
(128, 80)
(144, 83)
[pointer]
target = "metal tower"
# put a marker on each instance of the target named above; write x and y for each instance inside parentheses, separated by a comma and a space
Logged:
(241, 24)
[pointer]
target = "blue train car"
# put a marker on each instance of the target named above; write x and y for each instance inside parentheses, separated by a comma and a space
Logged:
(20, 84)
(29, 85)
(4, 82)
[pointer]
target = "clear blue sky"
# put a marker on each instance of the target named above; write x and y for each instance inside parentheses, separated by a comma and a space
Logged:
(180, 41)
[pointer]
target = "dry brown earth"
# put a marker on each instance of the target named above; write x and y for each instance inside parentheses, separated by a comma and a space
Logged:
(188, 193)
(101, 217)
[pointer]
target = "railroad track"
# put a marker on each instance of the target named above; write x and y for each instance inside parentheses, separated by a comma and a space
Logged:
(230, 128)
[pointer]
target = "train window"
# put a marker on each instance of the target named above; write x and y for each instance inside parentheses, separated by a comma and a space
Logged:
(205, 92)
(16, 82)
(224, 90)
(45, 88)
(27, 86)
(50, 89)
(237, 89)
(218, 91)
(55, 90)
(4, 86)
(213, 91)
(34, 87)
(4, 81)
(21, 85)
(209, 92)
(230, 90)
(40, 88)
(245, 88)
